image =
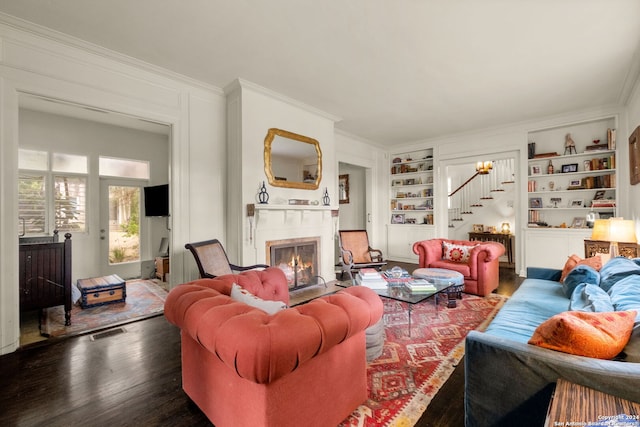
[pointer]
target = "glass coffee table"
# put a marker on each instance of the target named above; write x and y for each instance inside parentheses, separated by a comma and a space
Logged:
(397, 290)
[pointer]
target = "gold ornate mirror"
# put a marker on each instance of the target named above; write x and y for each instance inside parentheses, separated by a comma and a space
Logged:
(292, 160)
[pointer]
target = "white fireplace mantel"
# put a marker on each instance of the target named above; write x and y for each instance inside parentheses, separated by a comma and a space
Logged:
(276, 222)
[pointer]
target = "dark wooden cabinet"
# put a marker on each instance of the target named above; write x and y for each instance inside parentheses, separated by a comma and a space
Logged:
(45, 275)
(594, 247)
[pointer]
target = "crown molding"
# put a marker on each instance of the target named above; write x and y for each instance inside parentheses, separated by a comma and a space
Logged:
(37, 30)
(240, 83)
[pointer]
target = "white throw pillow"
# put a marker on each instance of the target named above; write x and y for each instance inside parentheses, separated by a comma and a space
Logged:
(240, 294)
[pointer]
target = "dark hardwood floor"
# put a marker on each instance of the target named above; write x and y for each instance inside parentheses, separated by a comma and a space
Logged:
(133, 379)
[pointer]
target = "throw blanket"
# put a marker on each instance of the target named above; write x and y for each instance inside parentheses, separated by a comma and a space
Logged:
(616, 287)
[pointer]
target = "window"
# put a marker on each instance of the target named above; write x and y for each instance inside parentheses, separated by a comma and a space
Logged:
(32, 204)
(48, 201)
(124, 168)
(69, 202)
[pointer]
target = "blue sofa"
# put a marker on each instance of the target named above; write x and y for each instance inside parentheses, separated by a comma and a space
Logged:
(509, 382)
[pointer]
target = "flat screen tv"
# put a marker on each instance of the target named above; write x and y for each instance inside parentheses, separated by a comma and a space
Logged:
(156, 200)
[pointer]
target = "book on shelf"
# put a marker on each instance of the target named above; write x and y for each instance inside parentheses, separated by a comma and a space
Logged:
(603, 203)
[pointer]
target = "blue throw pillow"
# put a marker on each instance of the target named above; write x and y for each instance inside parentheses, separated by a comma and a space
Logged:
(588, 297)
(580, 274)
(616, 269)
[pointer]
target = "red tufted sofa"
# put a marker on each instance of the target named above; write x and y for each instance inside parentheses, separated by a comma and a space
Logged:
(481, 271)
(300, 366)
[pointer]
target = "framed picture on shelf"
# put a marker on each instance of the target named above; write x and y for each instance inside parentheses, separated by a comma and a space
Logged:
(396, 183)
(578, 222)
(491, 229)
(478, 228)
(575, 183)
(410, 221)
(410, 181)
(572, 167)
(599, 195)
(576, 203)
(536, 170)
(535, 202)
(397, 219)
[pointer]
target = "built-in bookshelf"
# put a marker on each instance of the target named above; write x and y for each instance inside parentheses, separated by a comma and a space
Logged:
(572, 171)
(411, 187)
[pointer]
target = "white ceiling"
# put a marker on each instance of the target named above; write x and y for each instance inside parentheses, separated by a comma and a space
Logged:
(393, 71)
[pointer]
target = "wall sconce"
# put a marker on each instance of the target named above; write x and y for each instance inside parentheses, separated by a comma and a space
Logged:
(483, 168)
(506, 228)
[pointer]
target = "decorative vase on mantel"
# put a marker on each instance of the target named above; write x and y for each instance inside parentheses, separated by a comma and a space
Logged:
(263, 196)
(325, 199)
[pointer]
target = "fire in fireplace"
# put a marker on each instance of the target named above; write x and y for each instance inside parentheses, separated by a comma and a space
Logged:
(298, 258)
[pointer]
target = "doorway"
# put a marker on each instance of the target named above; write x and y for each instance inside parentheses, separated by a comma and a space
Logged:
(58, 127)
(121, 230)
(484, 200)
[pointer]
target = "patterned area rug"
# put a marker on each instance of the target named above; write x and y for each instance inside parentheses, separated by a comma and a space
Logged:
(412, 368)
(144, 299)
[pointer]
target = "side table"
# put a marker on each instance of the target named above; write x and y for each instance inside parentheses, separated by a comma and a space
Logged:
(573, 405)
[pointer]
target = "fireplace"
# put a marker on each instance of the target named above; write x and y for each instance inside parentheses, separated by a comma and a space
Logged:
(298, 258)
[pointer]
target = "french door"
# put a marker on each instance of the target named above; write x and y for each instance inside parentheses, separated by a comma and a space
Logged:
(121, 229)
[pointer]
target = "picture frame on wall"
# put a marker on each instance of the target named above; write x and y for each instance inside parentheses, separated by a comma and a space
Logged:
(343, 188)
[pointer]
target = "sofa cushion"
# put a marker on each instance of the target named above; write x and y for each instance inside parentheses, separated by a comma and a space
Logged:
(580, 274)
(590, 297)
(456, 252)
(598, 335)
(240, 294)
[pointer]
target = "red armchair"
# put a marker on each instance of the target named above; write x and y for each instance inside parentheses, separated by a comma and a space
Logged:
(481, 270)
(303, 365)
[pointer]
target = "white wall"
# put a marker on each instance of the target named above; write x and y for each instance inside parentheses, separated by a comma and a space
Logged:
(55, 133)
(353, 214)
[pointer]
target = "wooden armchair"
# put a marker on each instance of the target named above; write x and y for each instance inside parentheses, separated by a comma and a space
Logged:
(212, 259)
(356, 253)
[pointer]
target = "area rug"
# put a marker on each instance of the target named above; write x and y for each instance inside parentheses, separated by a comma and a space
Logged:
(413, 367)
(144, 299)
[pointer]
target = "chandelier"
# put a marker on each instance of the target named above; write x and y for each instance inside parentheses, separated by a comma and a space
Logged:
(483, 168)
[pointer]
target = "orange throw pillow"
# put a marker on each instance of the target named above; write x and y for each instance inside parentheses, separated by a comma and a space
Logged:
(599, 335)
(594, 262)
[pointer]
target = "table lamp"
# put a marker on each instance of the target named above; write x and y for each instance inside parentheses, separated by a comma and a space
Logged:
(506, 228)
(614, 230)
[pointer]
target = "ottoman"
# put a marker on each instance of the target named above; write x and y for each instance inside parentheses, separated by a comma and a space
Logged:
(440, 276)
(102, 290)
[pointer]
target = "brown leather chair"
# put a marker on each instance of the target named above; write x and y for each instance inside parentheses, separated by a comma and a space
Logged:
(356, 253)
(212, 259)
